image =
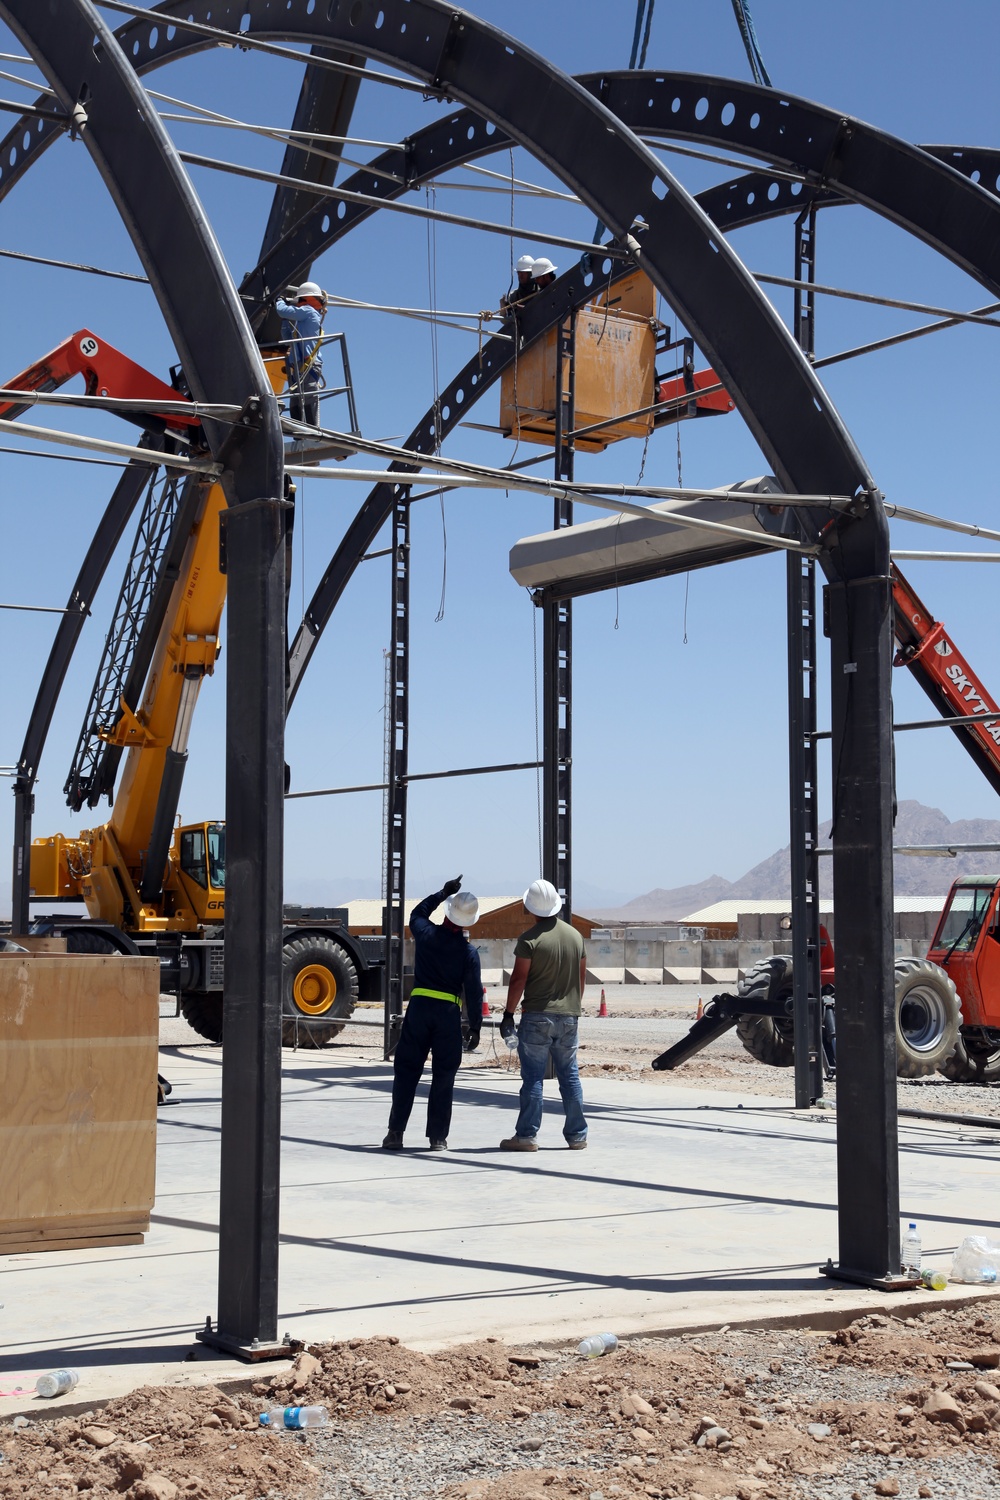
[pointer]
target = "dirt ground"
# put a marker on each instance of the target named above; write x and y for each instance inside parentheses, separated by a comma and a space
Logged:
(888, 1406)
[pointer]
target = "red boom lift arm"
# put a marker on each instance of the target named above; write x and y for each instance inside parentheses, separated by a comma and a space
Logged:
(106, 371)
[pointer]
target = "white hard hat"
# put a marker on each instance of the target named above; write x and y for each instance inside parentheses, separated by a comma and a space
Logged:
(542, 899)
(544, 267)
(463, 909)
(526, 263)
(310, 289)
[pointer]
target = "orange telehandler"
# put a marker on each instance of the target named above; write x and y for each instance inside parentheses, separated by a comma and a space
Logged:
(948, 1003)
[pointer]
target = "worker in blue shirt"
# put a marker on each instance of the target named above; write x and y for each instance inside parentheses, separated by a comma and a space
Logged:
(301, 334)
(445, 967)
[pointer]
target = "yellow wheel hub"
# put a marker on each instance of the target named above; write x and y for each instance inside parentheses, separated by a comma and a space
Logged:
(314, 989)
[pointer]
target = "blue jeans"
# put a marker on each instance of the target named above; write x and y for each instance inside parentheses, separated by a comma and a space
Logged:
(538, 1037)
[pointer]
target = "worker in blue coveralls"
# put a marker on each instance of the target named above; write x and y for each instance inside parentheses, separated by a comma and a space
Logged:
(445, 967)
(301, 334)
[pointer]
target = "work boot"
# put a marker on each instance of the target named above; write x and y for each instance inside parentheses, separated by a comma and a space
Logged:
(438, 1146)
(393, 1141)
(577, 1145)
(518, 1143)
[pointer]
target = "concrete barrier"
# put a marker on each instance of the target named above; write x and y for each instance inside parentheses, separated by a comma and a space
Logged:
(720, 962)
(682, 962)
(643, 961)
(752, 953)
(490, 952)
(606, 961)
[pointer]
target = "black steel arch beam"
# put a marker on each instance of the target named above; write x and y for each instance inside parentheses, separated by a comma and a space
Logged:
(81, 60)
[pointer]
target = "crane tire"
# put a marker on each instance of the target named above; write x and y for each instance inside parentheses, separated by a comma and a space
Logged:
(928, 1017)
(318, 982)
(82, 941)
(972, 1062)
(770, 1039)
(203, 1013)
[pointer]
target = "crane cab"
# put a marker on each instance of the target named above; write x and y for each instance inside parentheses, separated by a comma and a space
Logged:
(967, 946)
(198, 870)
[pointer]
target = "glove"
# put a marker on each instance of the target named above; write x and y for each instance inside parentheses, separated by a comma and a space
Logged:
(473, 1042)
(507, 1025)
(452, 887)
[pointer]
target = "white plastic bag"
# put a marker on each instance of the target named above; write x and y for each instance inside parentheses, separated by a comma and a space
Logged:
(977, 1261)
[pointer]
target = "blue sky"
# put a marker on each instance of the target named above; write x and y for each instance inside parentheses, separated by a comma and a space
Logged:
(680, 750)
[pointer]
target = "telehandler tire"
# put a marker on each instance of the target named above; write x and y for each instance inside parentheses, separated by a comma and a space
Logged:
(770, 1039)
(203, 1013)
(973, 1061)
(82, 941)
(928, 1017)
(319, 982)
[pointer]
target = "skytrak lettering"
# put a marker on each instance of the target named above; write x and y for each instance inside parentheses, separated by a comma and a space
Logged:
(970, 694)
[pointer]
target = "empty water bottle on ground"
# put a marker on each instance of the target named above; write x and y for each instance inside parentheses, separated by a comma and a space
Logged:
(934, 1281)
(909, 1251)
(597, 1344)
(295, 1417)
(56, 1383)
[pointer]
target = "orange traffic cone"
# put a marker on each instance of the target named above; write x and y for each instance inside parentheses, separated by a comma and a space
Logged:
(604, 1006)
(486, 1007)
(701, 1009)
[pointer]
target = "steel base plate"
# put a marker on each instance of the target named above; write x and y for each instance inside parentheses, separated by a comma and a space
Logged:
(865, 1278)
(253, 1353)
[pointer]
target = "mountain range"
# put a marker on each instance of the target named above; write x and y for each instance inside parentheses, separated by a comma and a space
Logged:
(915, 875)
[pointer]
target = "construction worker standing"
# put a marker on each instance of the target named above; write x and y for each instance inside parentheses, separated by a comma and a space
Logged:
(550, 970)
(301, 333)
(445, 967)
(544, 273)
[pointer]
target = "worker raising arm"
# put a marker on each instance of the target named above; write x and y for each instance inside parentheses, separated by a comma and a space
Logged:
(445, 967)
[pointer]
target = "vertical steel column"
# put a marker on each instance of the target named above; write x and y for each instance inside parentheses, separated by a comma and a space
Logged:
(557, 651)
(24, 806)
(398, 708)
(859, 613)
(254, 538)
(804, 325)
(802, 761)
(804, 829)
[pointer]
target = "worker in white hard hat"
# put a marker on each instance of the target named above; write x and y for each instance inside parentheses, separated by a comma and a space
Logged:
(301, 336)
(525, 282)
(550, 971)
(445, 967)
(544, 272)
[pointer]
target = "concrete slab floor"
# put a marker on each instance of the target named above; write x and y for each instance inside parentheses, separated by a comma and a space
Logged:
(690, 1208)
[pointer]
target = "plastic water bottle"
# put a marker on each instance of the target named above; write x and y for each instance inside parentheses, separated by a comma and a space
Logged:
(597, 1344)
(57, 1383)
(294, 1417)
(909, 1251)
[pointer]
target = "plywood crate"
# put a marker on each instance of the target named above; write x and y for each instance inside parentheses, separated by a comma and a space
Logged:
(78, 1056)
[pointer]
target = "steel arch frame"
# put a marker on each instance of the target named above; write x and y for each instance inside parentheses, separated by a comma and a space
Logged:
(79, 56)
(801, 435)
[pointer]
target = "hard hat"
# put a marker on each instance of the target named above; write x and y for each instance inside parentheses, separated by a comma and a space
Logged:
(463, 909)
(544, 267)
(542, 899)
(525, 263)
(311, 289)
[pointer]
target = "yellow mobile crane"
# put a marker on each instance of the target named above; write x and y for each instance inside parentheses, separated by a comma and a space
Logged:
(150, 886)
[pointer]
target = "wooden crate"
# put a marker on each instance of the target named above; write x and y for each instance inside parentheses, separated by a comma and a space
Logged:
(78, 1056)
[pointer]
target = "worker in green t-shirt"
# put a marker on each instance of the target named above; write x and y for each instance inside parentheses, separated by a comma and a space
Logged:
(550, 970)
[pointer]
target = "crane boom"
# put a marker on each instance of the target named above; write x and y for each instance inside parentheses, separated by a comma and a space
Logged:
(926, 648)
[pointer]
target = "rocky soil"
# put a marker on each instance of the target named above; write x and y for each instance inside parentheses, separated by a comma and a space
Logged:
(888, 1406)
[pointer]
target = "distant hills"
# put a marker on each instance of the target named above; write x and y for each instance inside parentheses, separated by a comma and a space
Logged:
(914, 875)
